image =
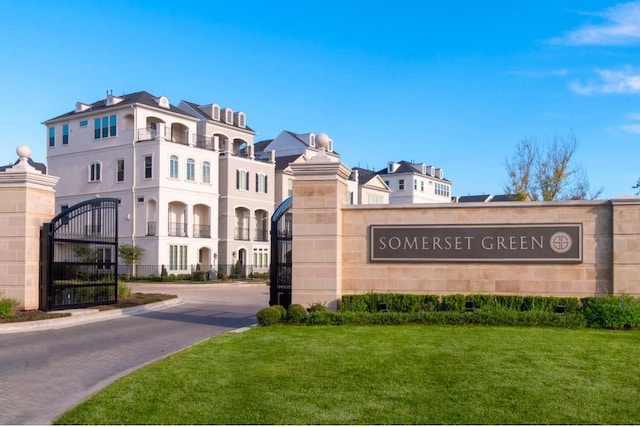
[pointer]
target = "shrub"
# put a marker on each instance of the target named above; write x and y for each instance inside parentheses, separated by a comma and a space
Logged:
(282, 310)
(612, 312)
(268, 316)
(7, 308)
(297, 314)
(317, 307)
(123, 290)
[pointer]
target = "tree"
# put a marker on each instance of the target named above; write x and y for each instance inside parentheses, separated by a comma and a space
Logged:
(131, 254)
(545, 172)
(637, 187)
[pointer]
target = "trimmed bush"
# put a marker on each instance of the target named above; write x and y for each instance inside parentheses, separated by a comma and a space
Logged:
(297, 314)
(317, 307)
(268, 316)
(282, 310)
(612, 312)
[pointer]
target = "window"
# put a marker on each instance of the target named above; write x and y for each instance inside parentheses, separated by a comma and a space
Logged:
(65, 134)
(241, 120)
(206, 172)
(261, 183)
(242, 180)
(120, 170)
(415, 184)
(442, 189)
(401, 184)
(104, 127)
(148, 167)
(52, 137)
(64, 207)
(191, 170)
(173, 166)
(177, 257)
(140, 199)
(386, 183)
(421, 185)
(94, 172)
(84, 123)
(229, 116)
(290, 187)
(350, 197)
(216, 113)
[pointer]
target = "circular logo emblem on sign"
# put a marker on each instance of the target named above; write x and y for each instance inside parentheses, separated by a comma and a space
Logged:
(560, 242)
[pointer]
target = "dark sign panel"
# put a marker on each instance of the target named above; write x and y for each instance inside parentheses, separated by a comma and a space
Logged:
(553, 243)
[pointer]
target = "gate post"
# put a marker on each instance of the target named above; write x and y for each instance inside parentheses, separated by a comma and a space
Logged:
(27, 198)
(319, 191)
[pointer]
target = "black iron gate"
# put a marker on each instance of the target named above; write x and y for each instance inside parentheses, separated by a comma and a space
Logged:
(281, 239)
(78, 256)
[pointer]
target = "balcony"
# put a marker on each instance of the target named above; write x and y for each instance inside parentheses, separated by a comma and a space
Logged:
(177, 136)
(178, 229)
(242, 233)
(261, 235)
(200, 230)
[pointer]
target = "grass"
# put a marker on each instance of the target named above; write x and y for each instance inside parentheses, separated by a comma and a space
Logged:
(383, 375)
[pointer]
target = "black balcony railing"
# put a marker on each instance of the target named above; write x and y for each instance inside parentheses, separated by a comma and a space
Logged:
(178, 229)
(261, 235)
(242, 233)
(200, 230)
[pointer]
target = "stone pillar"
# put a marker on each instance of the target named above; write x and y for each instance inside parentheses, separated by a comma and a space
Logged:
(626, 245)
(27, 200)
(319, 191)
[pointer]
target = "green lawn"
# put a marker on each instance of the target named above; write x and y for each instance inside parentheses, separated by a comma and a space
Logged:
(384, 375)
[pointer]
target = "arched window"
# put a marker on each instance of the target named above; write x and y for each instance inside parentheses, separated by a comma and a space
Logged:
(173, 166)
(206, 172)
(191, 170)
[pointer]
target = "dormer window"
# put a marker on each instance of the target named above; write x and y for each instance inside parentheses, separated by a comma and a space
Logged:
(216, 112)
(163, 102)
(81, 107)
(113, 100)
(312, 141)
(241, 120)
(228, 118)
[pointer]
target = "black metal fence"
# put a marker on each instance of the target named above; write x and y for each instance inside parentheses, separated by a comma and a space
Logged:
(190, 272)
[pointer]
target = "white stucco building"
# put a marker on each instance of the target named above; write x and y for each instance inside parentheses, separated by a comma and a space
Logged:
(412, 183)
(190, 190)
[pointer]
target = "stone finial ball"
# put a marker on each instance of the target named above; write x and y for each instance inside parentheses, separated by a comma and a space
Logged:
(322, 140)
(23, 151)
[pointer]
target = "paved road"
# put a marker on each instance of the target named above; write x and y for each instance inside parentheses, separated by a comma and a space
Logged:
(44, 373)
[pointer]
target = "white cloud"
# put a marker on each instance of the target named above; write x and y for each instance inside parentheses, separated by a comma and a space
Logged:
(622, 27)
(635, 128)
(610, 81)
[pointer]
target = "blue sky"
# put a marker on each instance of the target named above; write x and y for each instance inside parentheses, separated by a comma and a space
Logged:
(455, 84)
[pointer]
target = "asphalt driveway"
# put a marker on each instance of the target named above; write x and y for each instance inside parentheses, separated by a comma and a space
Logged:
(46, 372)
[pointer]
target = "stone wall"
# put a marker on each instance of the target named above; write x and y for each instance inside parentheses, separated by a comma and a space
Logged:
(331, 248)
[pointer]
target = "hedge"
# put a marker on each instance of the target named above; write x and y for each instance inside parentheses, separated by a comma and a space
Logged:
(609, 312)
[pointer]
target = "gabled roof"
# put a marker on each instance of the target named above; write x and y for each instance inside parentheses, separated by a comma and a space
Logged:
(408, 167)
(208, 117)
(364, 175)
(39, 166)
(476, 198)
(283, 162)
(142, 97)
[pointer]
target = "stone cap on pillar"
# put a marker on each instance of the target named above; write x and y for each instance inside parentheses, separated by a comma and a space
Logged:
(23, 174)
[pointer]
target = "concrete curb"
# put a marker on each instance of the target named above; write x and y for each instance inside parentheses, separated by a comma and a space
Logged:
(85, 316)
